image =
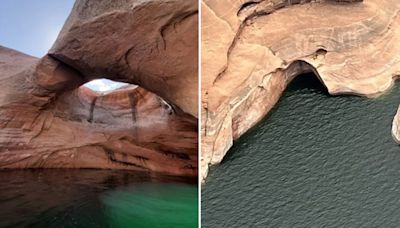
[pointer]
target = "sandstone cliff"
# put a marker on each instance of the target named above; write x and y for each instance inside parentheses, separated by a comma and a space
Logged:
(48, 120)
(352, 46)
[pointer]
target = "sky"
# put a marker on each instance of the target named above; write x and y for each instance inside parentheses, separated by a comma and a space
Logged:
(32, 26)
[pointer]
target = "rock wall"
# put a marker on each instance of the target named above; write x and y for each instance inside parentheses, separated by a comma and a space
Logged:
(47, 120)
(352, 46)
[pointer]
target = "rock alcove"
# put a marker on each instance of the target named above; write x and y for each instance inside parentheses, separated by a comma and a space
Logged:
(50, 120)
(352, 45)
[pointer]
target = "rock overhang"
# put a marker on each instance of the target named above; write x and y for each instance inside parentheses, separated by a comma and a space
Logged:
(49, 121)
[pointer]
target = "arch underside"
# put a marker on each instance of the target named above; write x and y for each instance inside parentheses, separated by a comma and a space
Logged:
(54, 123)
(48, 120)
(149, 43)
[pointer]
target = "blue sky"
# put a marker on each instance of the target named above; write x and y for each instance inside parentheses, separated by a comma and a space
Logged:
(32, 26)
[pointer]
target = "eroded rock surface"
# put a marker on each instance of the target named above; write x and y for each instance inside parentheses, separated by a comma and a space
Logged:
(151, 43)
(130, 128)
(352, 46)
(47, 120)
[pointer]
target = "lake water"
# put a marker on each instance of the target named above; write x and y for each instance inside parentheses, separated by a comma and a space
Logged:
(315, 161)
(95, 198)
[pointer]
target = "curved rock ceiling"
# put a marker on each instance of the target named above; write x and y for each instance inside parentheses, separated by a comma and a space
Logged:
(262, 45)
(149, 43)
(47, 120)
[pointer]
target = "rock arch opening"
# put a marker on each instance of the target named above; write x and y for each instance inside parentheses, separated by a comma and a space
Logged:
(307, 81)
(245, 111)
(103, 85)
(50, 119)
(56, 121)
(254, 108)
(300, 69)
(103, 101)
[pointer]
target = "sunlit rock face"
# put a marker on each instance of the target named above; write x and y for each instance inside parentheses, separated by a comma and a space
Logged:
(352, 46)
(396, 127)
(49, 120)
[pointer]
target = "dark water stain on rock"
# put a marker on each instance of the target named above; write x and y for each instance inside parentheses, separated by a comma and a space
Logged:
(315, 161)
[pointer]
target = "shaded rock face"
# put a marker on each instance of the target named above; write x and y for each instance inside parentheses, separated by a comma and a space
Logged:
(352, 46)
(150, 43)
(47, 120)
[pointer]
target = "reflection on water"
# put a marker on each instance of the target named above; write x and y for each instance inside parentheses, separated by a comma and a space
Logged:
(95, 198)
(315, 161)
(150, 205)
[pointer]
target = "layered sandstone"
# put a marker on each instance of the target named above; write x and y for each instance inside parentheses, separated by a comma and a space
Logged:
(151, 43)
(352, 47)
(130, 128)
(49, 120)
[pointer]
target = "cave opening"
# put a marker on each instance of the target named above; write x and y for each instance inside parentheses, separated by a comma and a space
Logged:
(104, 101)
(307, 82)
(301, 75)
(312, 144)
(103, 88)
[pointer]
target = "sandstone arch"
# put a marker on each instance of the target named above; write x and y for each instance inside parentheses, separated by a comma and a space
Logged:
(148, 43)
(47, 120)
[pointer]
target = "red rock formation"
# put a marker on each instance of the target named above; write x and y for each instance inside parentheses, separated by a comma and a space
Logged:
(47, 120)
(352, 46)
(149, 43)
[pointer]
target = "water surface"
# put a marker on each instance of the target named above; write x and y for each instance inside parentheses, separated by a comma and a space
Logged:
(315, 161)
(95, 198)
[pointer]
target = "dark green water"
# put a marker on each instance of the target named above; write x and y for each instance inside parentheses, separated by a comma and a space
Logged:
(95, 198)
(315, 161)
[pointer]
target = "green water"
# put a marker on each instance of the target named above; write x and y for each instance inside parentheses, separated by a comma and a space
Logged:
(95, 198)
(152, 205)
(315, 161)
